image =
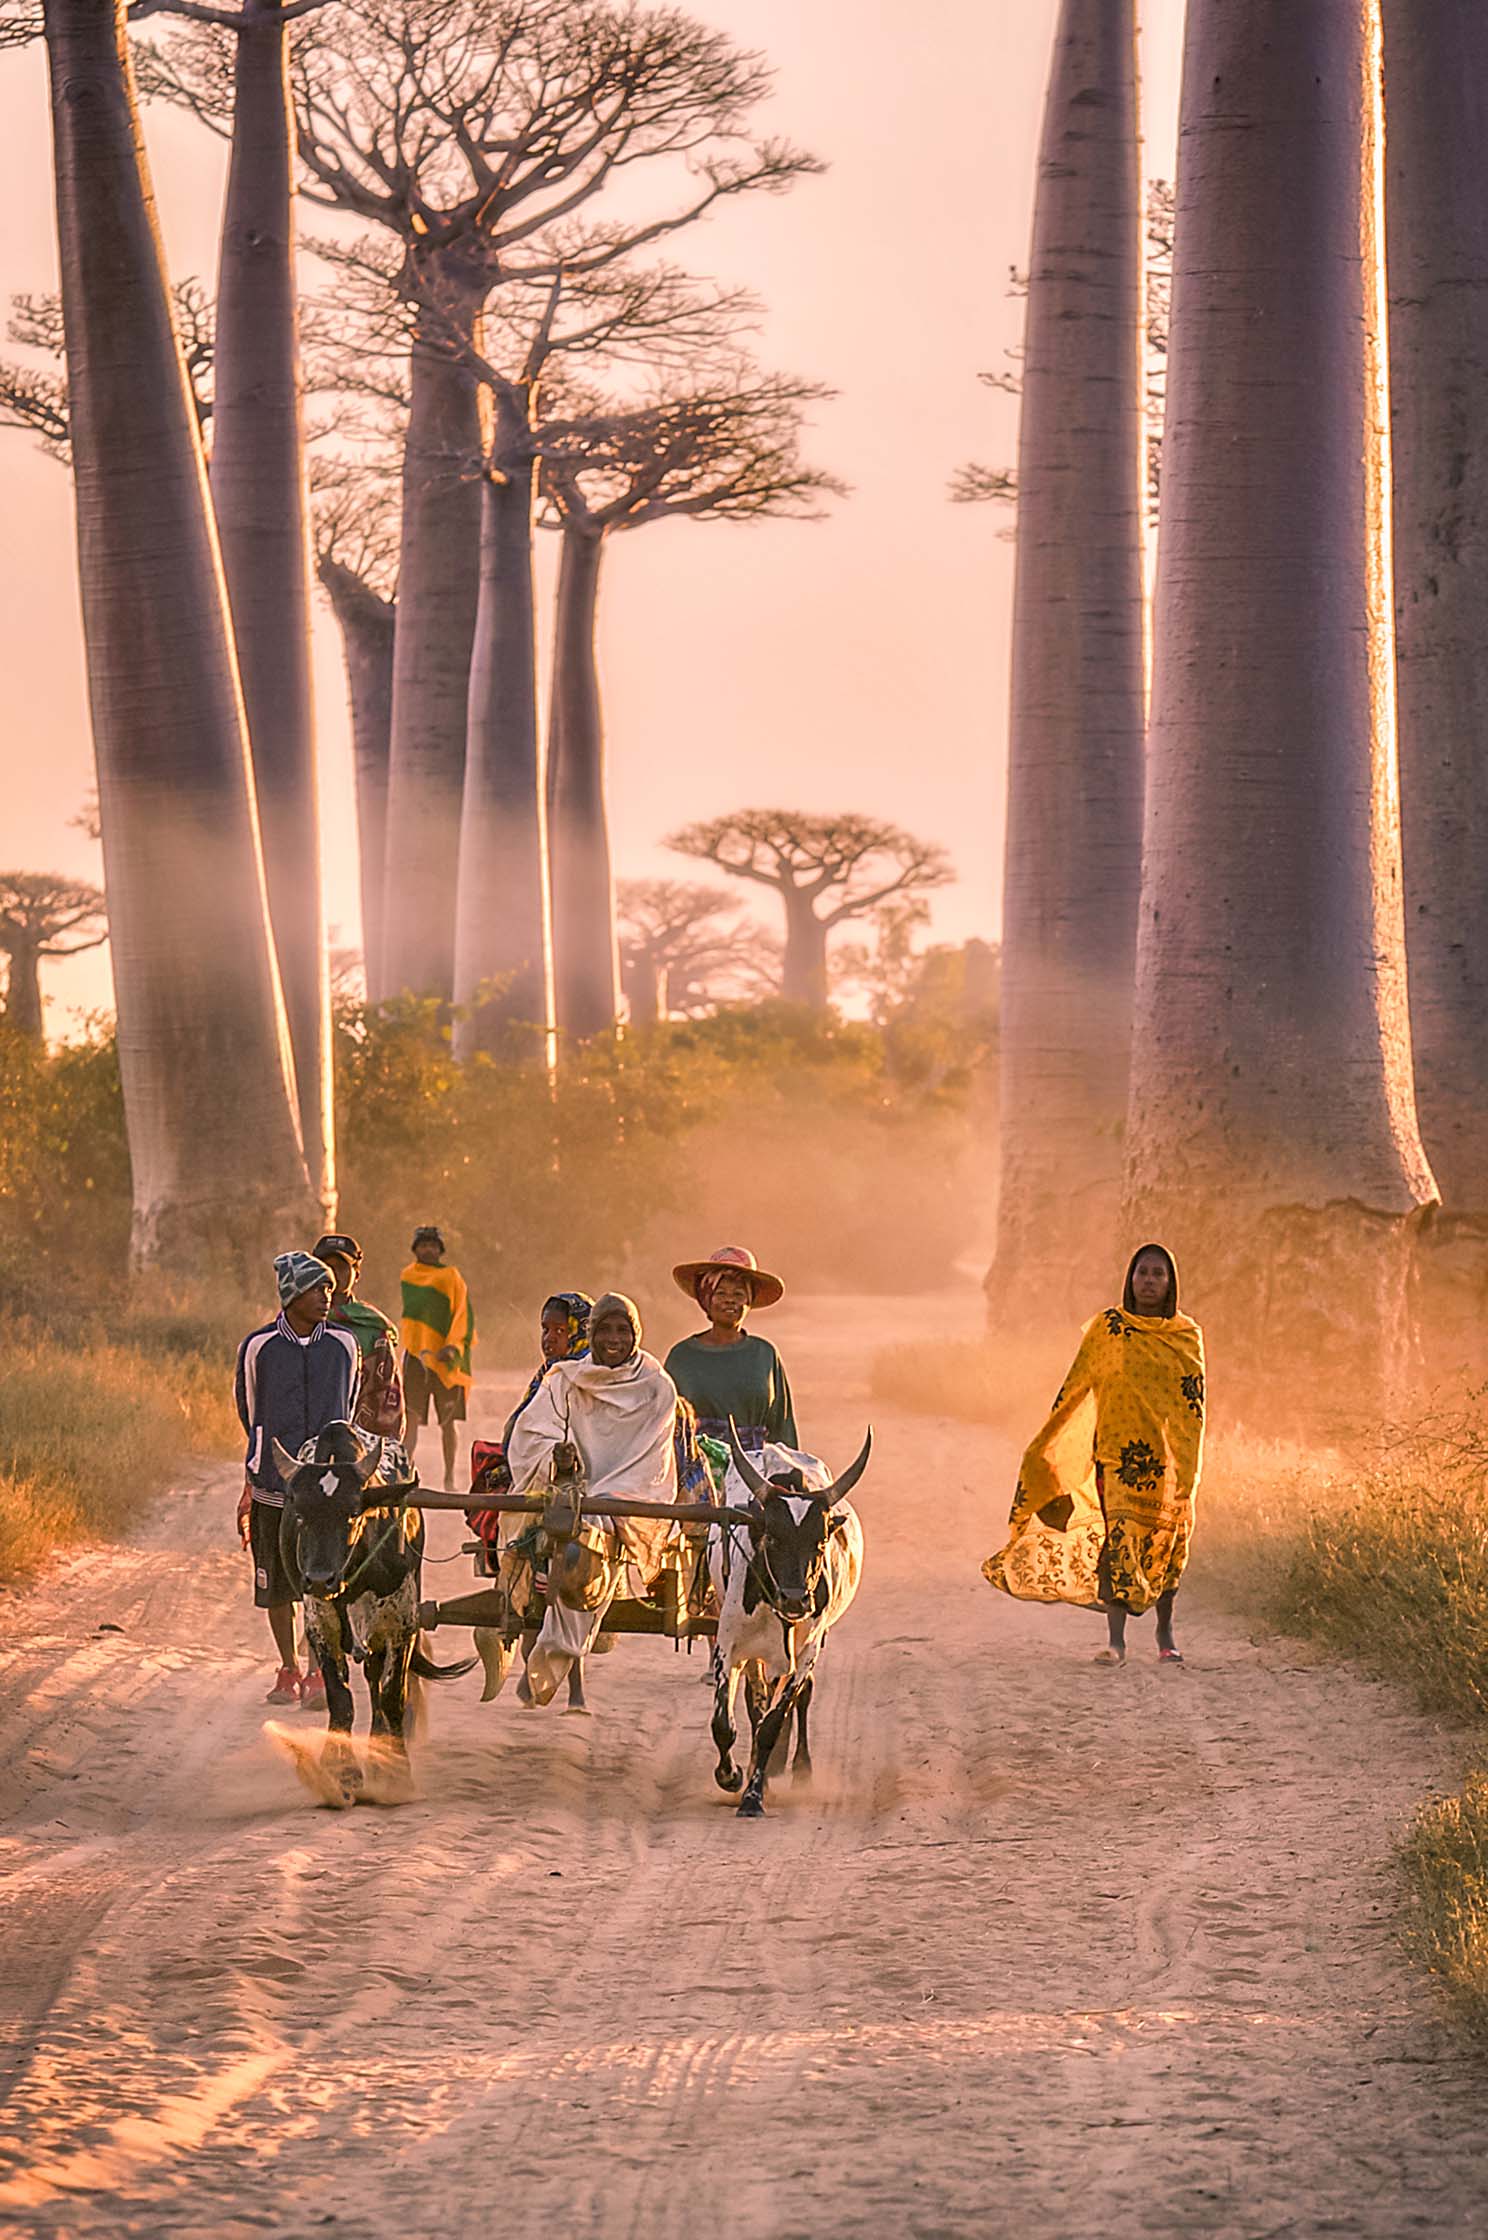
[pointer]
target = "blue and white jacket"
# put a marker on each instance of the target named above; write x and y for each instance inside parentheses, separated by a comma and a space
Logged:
(289, 1388)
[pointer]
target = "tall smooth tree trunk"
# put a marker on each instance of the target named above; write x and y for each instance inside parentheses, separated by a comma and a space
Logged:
(502, 968)
(803, 976)
(438, 587)
(586, 964)
(214, 1138)
(1273, 1138)
(259, 492)
(645, 984)
(1074, 820)
(1436, 200)
(23, 990)
(367, 622)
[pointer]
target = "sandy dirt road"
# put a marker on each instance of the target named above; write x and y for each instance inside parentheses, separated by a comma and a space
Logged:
(1046, 1951)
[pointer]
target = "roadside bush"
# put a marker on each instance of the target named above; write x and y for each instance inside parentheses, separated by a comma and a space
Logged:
(90, 1433)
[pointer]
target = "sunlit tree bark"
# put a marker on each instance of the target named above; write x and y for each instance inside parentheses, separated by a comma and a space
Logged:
(1273, 1138)
(259, 494)
(366, 620)
(1436, 103)
(586, 957)
(203, 1048)
(1074, 821)
(501, 956)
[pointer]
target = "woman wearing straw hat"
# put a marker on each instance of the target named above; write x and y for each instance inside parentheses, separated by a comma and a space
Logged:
(725, 1371)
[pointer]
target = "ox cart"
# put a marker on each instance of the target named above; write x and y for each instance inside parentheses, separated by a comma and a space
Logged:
(765, 1582)
(680, 1607)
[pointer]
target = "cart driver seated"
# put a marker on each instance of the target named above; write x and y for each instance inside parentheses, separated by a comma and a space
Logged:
(615, 1414)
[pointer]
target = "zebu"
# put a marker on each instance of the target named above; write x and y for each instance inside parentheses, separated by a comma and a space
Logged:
(353, 1545)
(782, 1580)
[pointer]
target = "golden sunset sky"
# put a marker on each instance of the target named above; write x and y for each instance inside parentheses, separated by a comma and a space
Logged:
(858, 663)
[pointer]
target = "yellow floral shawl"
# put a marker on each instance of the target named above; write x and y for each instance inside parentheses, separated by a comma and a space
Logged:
(1133, 1403)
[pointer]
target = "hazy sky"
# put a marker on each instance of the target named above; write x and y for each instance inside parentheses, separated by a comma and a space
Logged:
(856, 663)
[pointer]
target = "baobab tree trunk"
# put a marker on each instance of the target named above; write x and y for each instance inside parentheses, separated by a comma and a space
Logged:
(803, 975)
(259, 492)
(1273, 1136)
(645, 982)
(1074, 824)
(367, 622)
(585, 954)
(22, 1012)
(1436, 201)
(438, 586)
(502, 972)
(203, 1049)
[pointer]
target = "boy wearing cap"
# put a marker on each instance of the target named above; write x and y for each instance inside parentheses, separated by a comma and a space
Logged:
(294, 1376)
(438, 1332)
(380, 1403)
(726, 1371)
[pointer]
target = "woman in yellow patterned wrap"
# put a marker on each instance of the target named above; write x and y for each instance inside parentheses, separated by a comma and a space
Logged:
(1104, 1510)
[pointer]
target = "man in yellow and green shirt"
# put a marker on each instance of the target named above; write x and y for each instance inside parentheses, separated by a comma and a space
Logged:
(438, 1330)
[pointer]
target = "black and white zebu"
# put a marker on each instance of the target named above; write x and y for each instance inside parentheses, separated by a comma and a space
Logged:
(353, 1542)
(782, 1580)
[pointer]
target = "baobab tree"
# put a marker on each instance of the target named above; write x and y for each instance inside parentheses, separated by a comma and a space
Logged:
(1272, 1134)
(474, 131)
(685, 946)
(1074, 818)
(43, 915)
(259, 495)
(826, 871)
(533, 337)
(1436, 201)
(355, 521)
(728, 450)
(203, 1048)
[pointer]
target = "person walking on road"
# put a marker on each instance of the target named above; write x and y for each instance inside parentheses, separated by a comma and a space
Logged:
(1104, 1510)
(380, 1401)
(438, 1333)
(294, 1376)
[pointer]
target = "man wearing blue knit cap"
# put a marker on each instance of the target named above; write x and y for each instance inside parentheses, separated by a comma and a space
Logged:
(295, 1375)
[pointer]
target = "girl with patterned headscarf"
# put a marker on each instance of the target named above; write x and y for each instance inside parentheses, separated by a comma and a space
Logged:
(565, 1337)
(1104, 1510)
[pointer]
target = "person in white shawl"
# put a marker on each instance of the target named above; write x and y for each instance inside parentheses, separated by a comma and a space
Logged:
(619, 1409)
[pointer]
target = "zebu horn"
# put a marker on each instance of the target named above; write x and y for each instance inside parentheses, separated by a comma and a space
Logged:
(841, 1487)
(756, 1484)
(284, 1462)
(370, 1463)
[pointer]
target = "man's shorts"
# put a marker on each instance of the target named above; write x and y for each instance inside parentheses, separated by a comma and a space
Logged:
(271, 1584)
(420, 1386)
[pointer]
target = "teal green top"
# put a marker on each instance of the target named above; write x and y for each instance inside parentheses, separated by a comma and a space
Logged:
(746, 1381)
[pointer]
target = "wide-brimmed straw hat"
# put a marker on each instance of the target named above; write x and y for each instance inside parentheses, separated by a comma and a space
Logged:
(765, 1290)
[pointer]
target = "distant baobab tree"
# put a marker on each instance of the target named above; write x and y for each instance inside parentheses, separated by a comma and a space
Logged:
(1074, 818)
(725, 449)
(1436, 204)
(43, 915)
(826, 871)
(204, 1055)
(684, 946)
(1272, 1135)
